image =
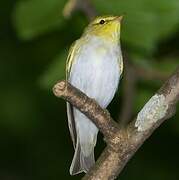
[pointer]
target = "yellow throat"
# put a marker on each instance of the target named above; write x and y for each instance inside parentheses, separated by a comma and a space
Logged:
(107, 27)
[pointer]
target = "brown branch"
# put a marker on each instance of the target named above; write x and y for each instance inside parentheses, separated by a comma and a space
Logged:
(122, 143)
(89, 107)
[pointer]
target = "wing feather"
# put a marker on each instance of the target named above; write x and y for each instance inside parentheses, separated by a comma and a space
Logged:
(71, 124)
(70, 114)
(70, 58)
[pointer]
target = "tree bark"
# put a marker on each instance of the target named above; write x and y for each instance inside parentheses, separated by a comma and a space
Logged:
(122, 142)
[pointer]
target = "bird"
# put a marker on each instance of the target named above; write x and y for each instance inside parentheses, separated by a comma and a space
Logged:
(94, 65)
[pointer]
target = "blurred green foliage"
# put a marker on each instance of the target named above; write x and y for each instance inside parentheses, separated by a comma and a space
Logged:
(35, 17)
(34, 42)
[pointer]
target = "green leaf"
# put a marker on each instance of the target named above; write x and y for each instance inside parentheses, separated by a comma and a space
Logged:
(55, 72)
(36, 17)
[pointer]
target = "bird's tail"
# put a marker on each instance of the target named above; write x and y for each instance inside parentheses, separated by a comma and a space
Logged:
(80, 162)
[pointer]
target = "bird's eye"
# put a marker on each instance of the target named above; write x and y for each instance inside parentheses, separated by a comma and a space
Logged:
(102, 21)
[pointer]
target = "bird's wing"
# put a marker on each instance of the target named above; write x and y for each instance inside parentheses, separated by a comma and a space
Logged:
(70, 58)
(70, 114)
(71, 123)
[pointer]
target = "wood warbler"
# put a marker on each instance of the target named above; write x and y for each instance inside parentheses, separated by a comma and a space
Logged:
(94, 65)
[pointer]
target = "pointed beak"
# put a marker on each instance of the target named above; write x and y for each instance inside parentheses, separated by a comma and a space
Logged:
(119, 18)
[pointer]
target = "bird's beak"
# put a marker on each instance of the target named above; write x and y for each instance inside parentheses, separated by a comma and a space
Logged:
(118, 18)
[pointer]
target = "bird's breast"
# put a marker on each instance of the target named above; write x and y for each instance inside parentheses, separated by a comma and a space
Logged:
(96, 70)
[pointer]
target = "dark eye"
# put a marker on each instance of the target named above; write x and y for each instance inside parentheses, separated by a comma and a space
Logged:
(102, 21)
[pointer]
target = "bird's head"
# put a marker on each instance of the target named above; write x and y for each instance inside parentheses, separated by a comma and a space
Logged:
(107, 27)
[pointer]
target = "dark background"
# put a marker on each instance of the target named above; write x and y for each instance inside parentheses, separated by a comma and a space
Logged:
(34, 42)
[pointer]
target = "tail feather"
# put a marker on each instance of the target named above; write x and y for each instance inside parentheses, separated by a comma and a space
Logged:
(80, 162)
(87, 161)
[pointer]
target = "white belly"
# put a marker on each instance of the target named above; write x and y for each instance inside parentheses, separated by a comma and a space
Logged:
(96, 71)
